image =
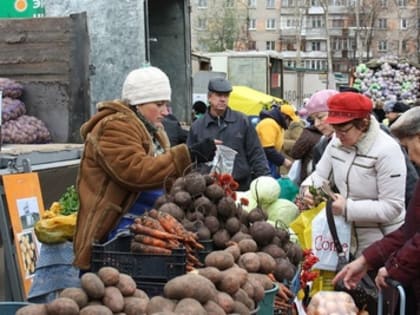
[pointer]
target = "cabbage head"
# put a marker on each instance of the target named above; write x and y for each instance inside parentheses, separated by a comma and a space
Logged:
(265, 190)
(283, 210)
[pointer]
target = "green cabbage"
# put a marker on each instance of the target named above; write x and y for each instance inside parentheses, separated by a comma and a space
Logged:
(283, 210)
(265, 190)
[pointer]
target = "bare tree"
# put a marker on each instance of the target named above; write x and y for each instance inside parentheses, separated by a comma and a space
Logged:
(224, 29)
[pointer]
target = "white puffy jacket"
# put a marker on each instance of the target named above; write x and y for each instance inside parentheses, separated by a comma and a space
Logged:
(372, 176)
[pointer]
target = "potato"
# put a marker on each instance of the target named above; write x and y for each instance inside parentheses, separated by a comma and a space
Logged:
(243, 297)
(211, 273)
(109, 276)
(249, 261)
(159, 304)
(220, 259)
(247, 245)
(92, 285)
(190, 285)
(267, 263)
(126, 285)
(95, 310)
(32, 309)
(77, 295)
(264, 280)
(189, 306)
(225, 301)
(141, 294)
(62, 306)
(249, 289)
(234, 250)
(135, 305)
(113, 299)
(213, 308)
(240, 308)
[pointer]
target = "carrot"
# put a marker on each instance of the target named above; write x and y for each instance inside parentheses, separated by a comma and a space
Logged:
(149, 249)
(150, 240)
(141, 229)
(169, 223)
(150, 222)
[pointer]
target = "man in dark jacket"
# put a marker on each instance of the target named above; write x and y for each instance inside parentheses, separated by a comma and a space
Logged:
(234, 130)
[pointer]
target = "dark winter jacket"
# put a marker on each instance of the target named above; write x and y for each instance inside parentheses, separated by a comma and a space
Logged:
(236, 132)
(303, 148)
(399, 251)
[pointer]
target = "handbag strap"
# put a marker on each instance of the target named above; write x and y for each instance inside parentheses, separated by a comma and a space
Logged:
(332, 227)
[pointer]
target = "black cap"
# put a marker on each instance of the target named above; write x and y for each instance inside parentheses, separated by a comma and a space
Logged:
(400, 107)
(220, 85)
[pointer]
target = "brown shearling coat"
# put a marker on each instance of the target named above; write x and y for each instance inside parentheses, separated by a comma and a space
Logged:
(118, 163)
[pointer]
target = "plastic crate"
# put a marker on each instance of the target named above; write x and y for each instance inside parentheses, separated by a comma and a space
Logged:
(266, 306)
(208, 247)
(10, 308)
(142, 267)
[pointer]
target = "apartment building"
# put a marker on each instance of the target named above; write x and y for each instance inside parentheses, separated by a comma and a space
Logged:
(302, 30)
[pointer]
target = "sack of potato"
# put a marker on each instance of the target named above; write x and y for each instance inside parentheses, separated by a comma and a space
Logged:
(332, 303)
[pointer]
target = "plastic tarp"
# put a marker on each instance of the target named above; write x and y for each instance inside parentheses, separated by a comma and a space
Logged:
(250, 101)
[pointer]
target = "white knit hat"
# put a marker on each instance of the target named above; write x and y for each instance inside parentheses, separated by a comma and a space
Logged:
(144, 85)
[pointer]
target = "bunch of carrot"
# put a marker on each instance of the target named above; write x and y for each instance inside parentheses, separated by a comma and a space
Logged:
(157, 232)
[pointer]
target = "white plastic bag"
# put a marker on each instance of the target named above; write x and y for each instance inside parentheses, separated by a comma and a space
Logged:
(294, 172)
(223, 160)
(323, 243)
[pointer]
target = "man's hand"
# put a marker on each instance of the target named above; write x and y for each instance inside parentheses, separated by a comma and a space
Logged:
(352, 273)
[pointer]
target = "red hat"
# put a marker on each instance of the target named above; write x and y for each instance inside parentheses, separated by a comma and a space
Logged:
(347, 106)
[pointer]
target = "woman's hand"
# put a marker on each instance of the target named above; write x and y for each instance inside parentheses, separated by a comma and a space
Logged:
(339, 205)
(380, 278)
(352, 273)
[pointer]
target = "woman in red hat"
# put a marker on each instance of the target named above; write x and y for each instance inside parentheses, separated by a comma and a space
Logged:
(367, 167)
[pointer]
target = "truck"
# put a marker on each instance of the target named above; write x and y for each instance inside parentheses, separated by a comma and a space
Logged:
(262, 71)
(266, 72)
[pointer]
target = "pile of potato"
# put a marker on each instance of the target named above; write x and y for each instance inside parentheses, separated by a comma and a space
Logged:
(332, 303)
(106, 292)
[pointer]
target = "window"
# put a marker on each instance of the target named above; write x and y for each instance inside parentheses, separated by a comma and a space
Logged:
(382, 45)
(269, 4)
(202, 4)
(315, 3)
(291, 63)
(202, 24)
(316, 21)
(402, 3)
(404, 24)
(382, 23)
(252, 3)
(287, 3)
(337, 23)
(404, 45)
(229, 3)
(316, 64)
(316, 46)
(292, 23)
(252, 24)
(270, 24)
(270, 45)
(384, 3)
(252, 45)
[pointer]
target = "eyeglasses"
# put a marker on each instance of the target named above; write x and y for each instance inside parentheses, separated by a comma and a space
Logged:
(343, 131)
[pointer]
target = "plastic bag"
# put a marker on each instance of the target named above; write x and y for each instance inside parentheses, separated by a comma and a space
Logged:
(323, 243)
(223, 160)
(294, 172)
(288, 189)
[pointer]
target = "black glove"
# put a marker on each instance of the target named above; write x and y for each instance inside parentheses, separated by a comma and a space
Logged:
(203, 151)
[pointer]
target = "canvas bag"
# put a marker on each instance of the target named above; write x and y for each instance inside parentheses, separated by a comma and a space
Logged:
(323, 243)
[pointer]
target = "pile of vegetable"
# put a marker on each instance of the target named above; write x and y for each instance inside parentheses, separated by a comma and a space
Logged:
(388, 79)
(206, 205)
(17, 127)
(330, 302)
(106, 292)
(57, 224)
(157, 232)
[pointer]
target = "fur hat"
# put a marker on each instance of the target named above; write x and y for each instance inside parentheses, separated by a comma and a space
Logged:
(145, 85)
(318, 101)
(347, 106)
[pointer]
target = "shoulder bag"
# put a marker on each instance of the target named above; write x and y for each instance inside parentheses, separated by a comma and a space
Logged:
(365, 294)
